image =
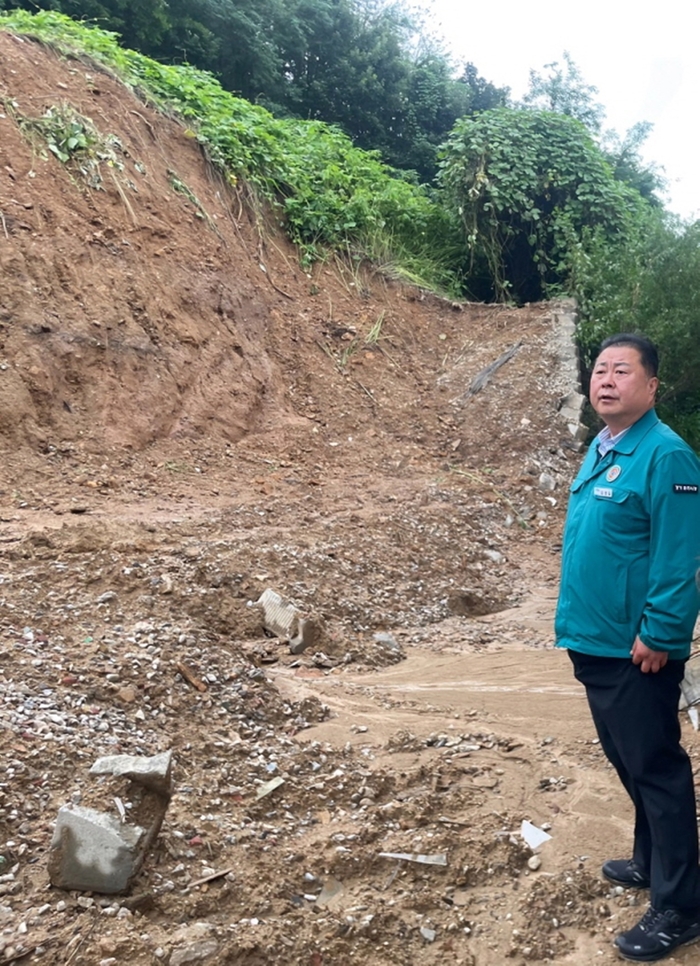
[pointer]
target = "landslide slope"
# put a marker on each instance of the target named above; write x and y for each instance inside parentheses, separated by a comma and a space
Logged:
(135, 303)
(158, 338)
(142, 300)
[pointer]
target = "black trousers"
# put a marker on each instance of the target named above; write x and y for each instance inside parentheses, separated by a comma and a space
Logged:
(636, 717)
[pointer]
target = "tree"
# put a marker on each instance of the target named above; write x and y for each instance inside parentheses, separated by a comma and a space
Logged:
(564, 91)
(627, 164)
(142, 24)
(435, 99)
(482, 95)
(526, 184)
(347, 66)
(649, 282)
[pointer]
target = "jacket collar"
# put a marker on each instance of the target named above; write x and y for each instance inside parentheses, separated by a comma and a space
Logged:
(592, 466)
(636, 433)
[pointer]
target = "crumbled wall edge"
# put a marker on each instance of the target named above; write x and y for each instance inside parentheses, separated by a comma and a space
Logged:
(564, 318)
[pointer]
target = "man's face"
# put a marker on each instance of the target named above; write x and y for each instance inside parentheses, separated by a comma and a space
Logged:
(621, 388)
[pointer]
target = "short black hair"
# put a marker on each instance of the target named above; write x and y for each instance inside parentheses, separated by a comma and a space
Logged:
(648, 352)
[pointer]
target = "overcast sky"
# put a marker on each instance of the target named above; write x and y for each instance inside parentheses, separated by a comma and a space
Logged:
(644, 60)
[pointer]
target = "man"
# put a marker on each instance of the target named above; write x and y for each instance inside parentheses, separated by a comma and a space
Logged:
(627, 607)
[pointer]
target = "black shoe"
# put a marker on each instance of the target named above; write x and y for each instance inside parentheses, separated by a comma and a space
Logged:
(657, 934)
(626, 873)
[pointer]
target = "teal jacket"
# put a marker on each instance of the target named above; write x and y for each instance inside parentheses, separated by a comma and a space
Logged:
(631, 554)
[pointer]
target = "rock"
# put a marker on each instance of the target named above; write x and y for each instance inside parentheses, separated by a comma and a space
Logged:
(93, 851)
(494, 556)
(468, 603)
(196, 952)
(194, 942)
(534, 862)
(386, 640)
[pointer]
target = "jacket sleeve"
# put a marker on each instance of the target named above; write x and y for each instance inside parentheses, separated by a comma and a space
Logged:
(673, 595)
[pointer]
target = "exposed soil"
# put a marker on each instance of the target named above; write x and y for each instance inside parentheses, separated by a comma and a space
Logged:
(188, 418)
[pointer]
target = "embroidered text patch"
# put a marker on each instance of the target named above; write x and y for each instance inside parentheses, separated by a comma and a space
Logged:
(685, 488)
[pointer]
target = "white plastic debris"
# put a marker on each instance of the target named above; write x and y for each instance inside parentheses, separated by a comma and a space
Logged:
(533, 835)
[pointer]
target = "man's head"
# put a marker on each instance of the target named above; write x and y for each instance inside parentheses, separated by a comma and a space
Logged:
(624, 380)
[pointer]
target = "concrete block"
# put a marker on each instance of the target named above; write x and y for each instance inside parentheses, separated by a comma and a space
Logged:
(284, 620)
(570, 411)
(94, 852)
(154, 773)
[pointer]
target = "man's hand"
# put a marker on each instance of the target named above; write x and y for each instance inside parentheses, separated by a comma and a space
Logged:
(649, 660)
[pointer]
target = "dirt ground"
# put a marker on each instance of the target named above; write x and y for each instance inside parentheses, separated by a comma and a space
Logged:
(188, 418)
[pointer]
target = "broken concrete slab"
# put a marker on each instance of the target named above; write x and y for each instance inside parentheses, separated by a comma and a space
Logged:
(268, 787)
(154, 773)
(570, 411)
(284, 620)
(94, 851)
(331, 894)
(97, 852)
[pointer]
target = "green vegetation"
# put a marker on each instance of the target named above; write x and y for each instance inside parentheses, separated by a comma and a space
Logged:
(639, 272)
(73, 139)
(649, 282)
(365, 66)
(526, 184)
